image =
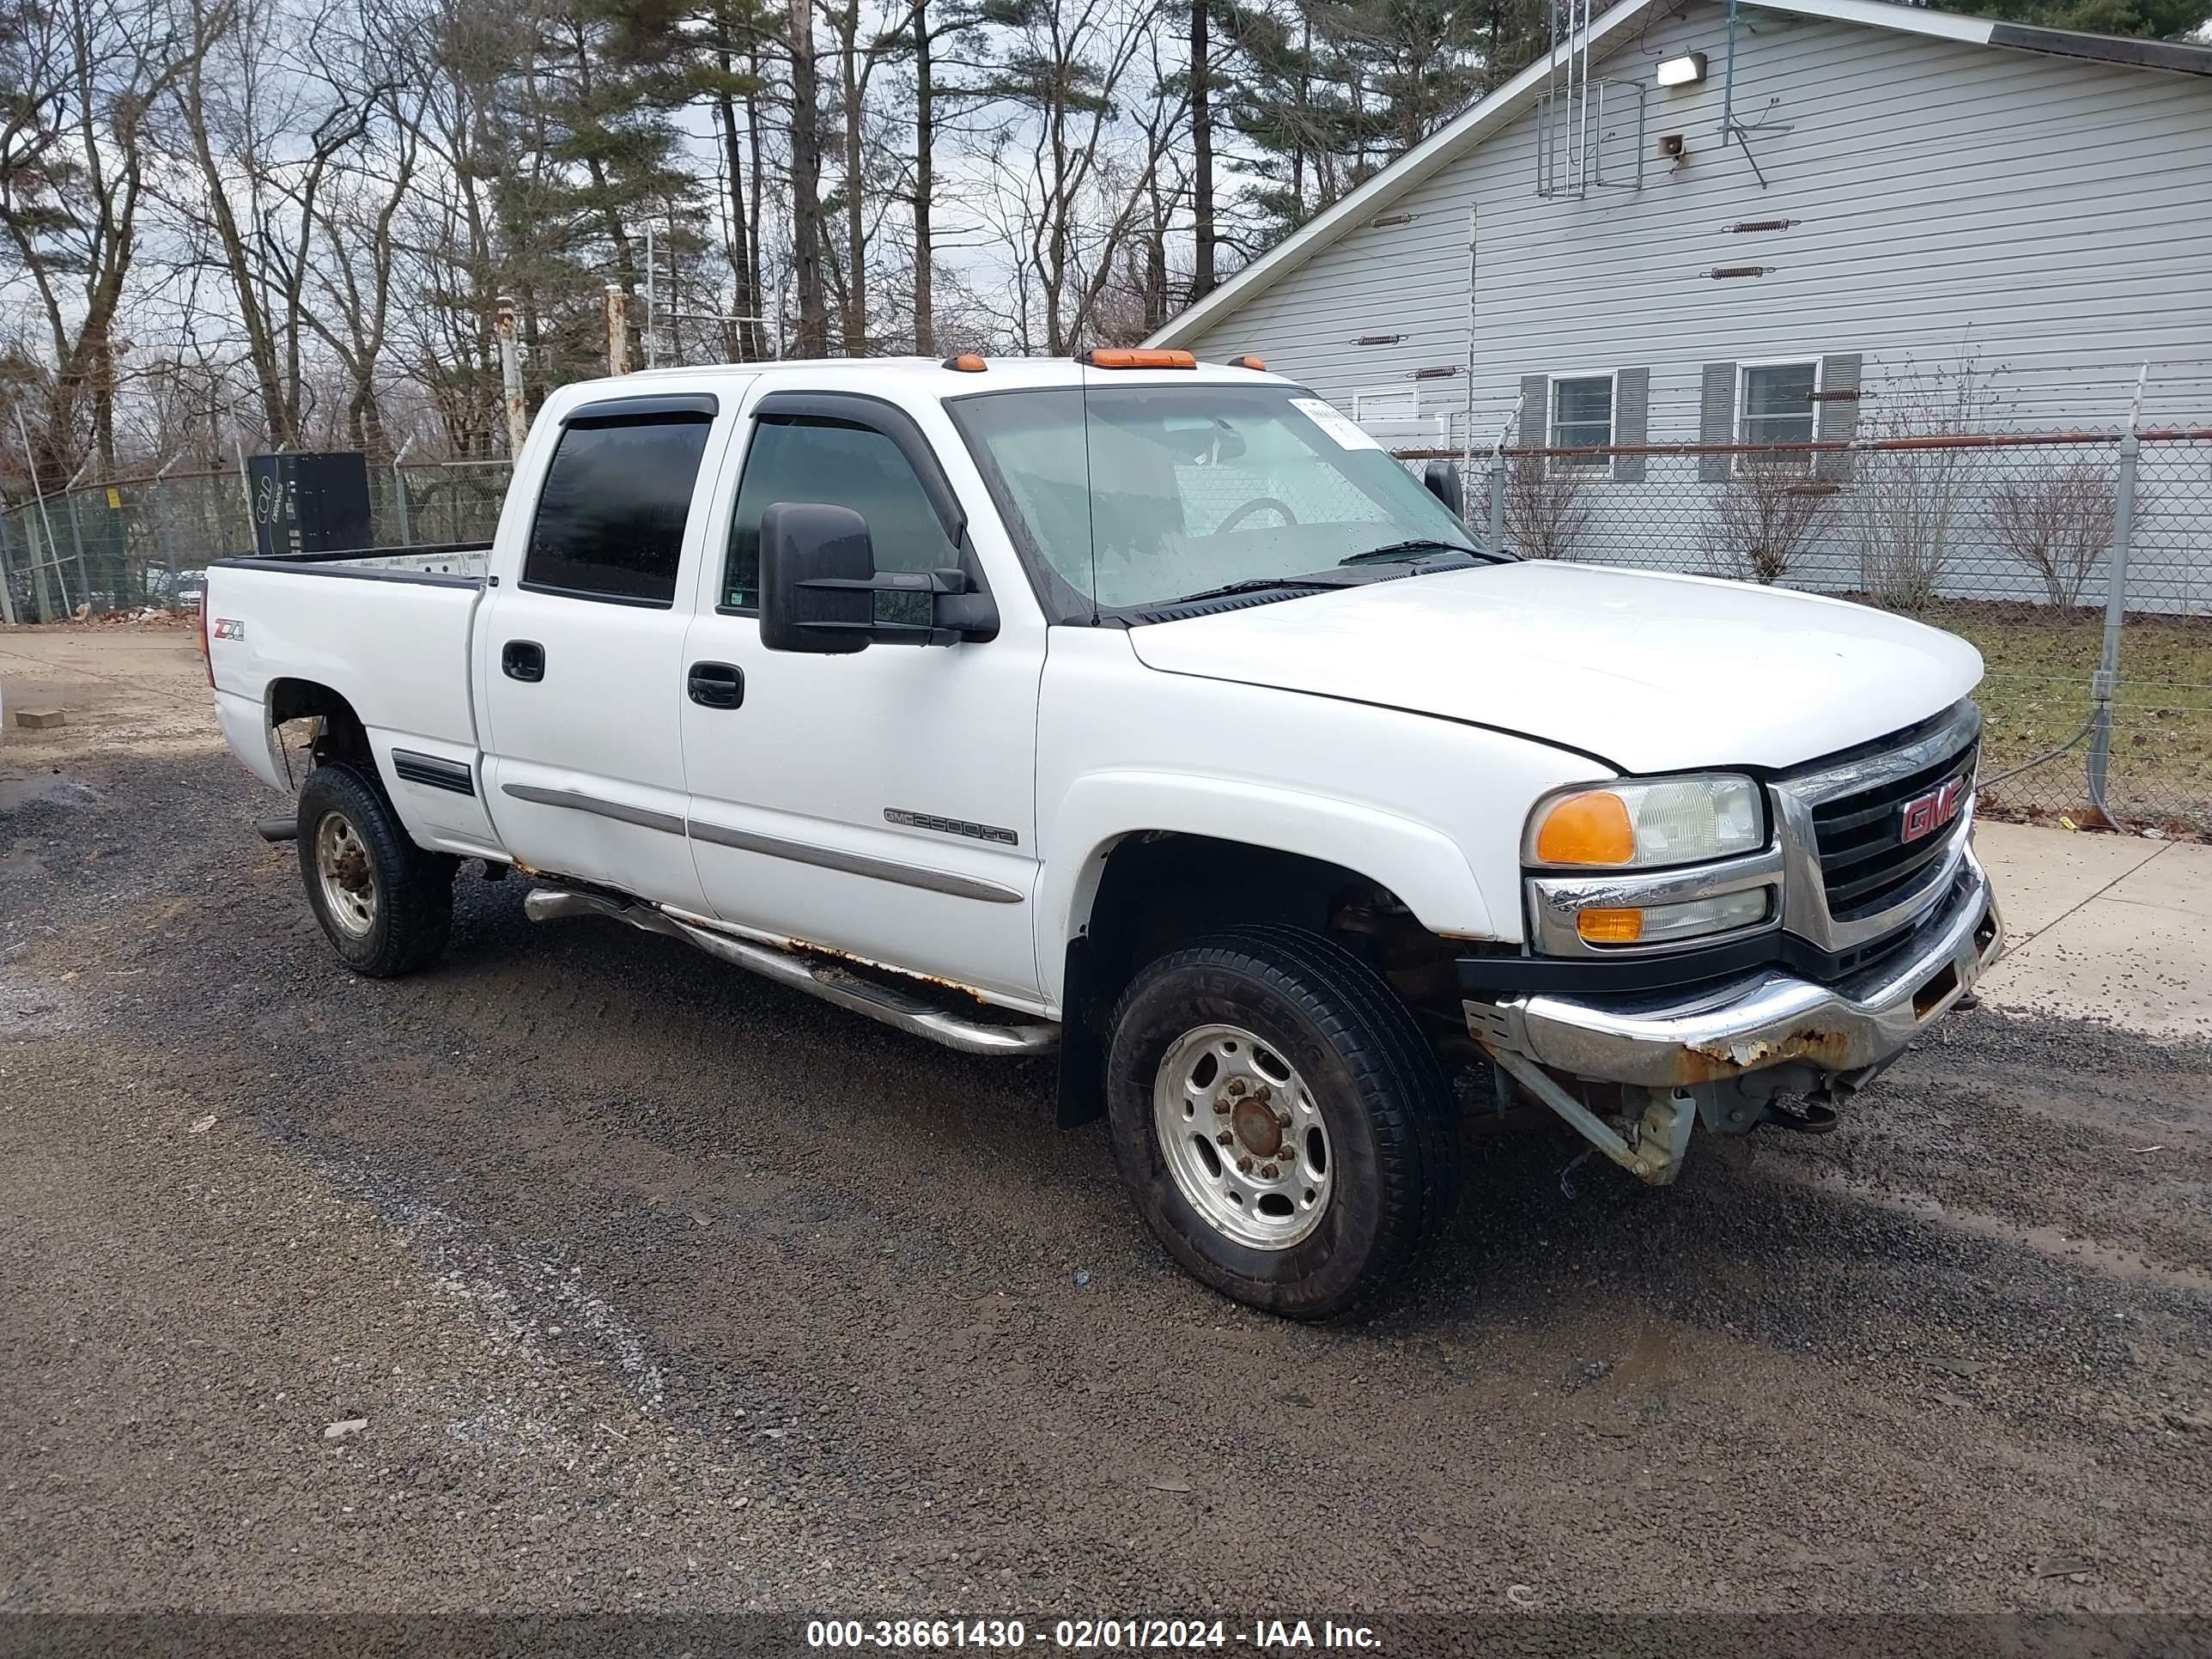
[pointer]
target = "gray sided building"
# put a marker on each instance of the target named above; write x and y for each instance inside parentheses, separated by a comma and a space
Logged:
(1806, 219)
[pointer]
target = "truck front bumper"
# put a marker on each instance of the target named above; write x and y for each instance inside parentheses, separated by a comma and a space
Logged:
(1765, 1018)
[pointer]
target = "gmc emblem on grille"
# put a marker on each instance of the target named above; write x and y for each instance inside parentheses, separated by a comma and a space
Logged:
(1924, 815)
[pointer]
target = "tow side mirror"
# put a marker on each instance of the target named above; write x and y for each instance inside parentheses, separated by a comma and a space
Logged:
(819, 585)
(1441, 480)
(815, 565)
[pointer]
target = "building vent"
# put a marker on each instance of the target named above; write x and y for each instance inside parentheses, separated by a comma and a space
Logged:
(1749, 225)
(1739, 270)
(1378, 339)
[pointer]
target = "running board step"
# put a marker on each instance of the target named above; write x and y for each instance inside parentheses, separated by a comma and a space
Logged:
(818, 976)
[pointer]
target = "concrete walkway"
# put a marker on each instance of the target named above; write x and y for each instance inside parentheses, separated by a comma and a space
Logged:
(2108, 927)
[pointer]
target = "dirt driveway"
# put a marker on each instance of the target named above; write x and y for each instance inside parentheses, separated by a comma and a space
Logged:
(585, 1273)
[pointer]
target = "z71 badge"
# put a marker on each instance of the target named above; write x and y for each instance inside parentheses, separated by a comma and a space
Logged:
(227, 627)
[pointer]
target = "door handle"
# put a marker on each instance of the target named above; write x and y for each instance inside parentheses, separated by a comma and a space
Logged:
(717, 684)
(522, 659)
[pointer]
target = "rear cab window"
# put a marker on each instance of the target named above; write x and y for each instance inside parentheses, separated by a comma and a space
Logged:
(610, 515)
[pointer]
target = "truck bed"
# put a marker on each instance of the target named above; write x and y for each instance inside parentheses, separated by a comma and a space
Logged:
(388, 629)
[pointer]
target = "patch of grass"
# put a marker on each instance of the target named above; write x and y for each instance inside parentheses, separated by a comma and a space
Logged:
(2036, 697)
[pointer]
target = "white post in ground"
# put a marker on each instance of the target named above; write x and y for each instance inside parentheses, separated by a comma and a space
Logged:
(510, 376)
(617, 330)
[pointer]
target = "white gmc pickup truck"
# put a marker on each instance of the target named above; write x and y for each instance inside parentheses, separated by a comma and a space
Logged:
(1149, 713)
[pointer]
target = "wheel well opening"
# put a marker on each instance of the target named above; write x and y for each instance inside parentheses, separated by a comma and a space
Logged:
(306, 714)
(1161, 890)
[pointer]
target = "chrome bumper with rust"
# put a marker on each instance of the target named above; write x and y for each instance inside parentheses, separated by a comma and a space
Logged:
(1674, 1039)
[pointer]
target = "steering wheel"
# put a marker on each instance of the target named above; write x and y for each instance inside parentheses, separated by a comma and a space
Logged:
(1257, 504)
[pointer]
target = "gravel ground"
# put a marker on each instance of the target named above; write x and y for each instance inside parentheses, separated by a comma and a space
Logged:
(584, 1272)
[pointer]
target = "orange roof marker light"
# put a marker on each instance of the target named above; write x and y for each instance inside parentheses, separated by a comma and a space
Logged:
(967, 362)
(1249, 361)
(1123, 357)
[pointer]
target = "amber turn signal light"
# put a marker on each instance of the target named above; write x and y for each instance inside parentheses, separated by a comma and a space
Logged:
(1250, 363)
(967, 363)
(1592, 829)
(1610, 926)
(1121, 357)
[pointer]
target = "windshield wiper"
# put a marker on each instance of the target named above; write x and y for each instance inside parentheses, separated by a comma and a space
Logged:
(1264, 584)
(1402, 552)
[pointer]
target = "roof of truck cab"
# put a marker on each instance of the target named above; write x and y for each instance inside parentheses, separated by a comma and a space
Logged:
(925, 376)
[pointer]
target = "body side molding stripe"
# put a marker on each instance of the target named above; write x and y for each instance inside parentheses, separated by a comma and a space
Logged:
(856, 863)
(644, 817)
(433, 771)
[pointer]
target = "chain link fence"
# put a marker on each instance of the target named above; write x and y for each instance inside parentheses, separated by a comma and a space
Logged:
(2079, 563)
(97, 549)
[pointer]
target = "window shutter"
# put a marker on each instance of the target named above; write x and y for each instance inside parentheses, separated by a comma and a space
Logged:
(1535, 428)
(1631, 420)
(1717, 419)
(1838, 419)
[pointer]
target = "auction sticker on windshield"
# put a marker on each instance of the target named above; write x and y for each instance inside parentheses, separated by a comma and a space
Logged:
(1333, 423)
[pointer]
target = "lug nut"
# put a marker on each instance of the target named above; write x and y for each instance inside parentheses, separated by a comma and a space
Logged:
(1245, 1164)
(1225, 1136)
(1269, 1170)
(1264, 1092)
(1282, 1120)
(1236, 1085)
(1221, 1108)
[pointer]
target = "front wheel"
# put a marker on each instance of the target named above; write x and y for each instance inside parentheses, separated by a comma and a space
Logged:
(386, 904)
(1281, 1123)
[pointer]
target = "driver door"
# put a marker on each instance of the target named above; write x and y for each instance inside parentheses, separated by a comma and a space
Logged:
(880, 802)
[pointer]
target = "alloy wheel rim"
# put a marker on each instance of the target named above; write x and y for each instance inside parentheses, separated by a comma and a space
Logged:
(348, 879)
(1243, 1137)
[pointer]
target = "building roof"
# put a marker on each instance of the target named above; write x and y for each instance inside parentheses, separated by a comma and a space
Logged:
(1448, 143)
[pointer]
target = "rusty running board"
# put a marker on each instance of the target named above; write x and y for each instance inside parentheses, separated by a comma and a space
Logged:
(818, 976)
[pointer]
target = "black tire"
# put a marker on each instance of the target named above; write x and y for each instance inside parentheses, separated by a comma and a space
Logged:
(1389, 1122)
(405, 915)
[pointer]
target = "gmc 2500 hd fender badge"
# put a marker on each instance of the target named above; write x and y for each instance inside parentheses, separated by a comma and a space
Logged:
(951, 826)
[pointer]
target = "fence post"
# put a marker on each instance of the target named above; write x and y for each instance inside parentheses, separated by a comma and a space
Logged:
(77, 540)
(7, 579)
(1497, 500)
(2107, 680)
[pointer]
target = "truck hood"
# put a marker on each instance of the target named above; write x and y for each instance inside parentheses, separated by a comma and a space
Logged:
(1649, 673)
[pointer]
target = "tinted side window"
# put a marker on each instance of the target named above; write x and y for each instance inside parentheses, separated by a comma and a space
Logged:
(814, 460)
(609, 520)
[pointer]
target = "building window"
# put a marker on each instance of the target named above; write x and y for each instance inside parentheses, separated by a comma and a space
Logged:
(1581, 418)
(1775, 405)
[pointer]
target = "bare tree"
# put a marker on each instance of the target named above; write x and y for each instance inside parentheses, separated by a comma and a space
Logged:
(1547, 508)
(1760, 521)
(2058, 526)
(1908, 498)
(1067, 71)
(79, 77)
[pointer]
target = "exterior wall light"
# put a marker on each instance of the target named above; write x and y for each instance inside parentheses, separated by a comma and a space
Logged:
(1684, 71)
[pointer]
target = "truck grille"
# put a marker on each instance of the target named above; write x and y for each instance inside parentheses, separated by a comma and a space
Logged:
(1865, 866)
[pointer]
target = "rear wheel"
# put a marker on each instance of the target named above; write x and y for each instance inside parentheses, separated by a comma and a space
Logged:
(1282, 1125)
(386, 904)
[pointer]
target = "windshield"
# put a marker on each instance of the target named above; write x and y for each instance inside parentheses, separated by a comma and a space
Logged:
(1165, 492)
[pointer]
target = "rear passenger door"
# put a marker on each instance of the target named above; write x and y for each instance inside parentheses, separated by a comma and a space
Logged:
(580, 658)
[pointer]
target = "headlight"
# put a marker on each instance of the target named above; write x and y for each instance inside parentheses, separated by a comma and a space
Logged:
(1647, 825)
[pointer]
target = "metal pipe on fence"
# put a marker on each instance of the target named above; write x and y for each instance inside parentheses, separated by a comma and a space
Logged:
(6, 581)
(2107, 677)
(399, 486)
(1498, 495)
(38, 491)
(76, 541)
